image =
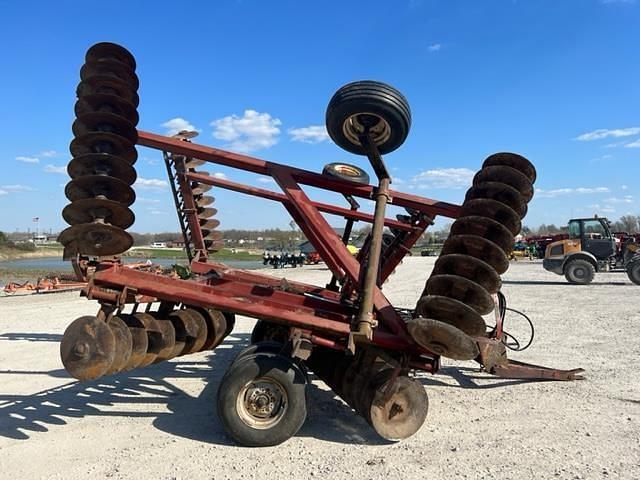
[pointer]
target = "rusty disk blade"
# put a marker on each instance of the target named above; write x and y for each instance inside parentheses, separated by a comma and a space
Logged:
(102, 164)
(90, 209)
(107, 84)
(442, 338)
(124, 344)
(462, 289)
(468, 267)
(348, 394)
(453, 312)
(200, 188)
(112, 67)
(508, 175)
(399, 409)
(484, 227)
(209, 224)
(216, 327)
(205, 200)
(213, 246)
(365, 386)
(168, 334)
(96, 239)
(87, 348)
(105, 103)
(213, 235)
(187, 331)
(161, 338)
(501, 192)
(104, 142)
(477, 247)
(107, 50)
(205, 213)
(194, 162)
(105, 122)
(91, 186)
(200, 334)
(512, 160)
(139, 341)
(484, 207)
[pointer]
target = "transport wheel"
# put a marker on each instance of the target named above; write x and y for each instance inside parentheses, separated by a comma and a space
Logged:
(262, 400)
(368, 104)
(264, 330)
(347, 172)
(579, 272)
(633, 270)
(268, 346)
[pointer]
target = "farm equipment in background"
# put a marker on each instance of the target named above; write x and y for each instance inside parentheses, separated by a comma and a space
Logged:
(347, 333)
(46, 284)
(590, 247)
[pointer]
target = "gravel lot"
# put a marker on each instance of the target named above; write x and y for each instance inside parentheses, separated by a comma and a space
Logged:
(160, 422)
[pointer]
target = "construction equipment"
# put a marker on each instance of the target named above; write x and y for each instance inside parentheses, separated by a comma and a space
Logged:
(590, 247)
(347, 333)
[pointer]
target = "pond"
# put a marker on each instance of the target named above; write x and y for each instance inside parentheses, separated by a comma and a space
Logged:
(56, 264)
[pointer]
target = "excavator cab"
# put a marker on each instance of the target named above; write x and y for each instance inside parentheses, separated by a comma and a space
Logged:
(594, 235)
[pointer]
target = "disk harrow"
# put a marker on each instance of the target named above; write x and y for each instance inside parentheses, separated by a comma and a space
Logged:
(103, 152)
(346, 332)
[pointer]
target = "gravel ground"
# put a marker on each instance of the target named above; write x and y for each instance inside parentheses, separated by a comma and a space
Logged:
(160, 422)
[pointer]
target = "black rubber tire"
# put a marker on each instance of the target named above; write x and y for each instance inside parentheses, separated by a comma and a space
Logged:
(633, 270)
(579, 272)
(268, 346)
(268, 331)
(250, 369)
(368, 97)
(347, 172)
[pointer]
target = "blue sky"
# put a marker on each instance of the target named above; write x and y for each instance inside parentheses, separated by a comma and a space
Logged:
(557, 81)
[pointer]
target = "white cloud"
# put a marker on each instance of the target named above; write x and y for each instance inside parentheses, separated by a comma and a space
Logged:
(155, 211)
(151, 184)
(265, 180)
(178, 124)
(48, 153)
(634, 144)
(624, 187)
(310, 134)
(625, 199)
(16, 188)
(607, 209)
(559, 192)
(444, 178)
(54, 169)
(435, 47)
(606, 133)
(3, 192)
(252, 131)
(220, 175)
(147, 200)
(28, 159)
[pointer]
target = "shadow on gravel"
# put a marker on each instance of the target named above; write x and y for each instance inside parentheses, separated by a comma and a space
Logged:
(188, 416)
(463, 380)
(564, 284)
(32, 337)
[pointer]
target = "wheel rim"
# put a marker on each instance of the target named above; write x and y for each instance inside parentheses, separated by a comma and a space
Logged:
(579, 273)
(355, 125)
(347, 170)
(262, 403)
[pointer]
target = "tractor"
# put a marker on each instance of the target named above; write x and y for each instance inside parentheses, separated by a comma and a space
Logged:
(591, 248)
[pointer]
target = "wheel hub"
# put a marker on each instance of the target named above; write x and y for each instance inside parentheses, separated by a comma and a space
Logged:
(356, 125)
(262, 403)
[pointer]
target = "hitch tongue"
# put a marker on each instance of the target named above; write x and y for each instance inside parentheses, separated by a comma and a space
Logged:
(493, 358)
